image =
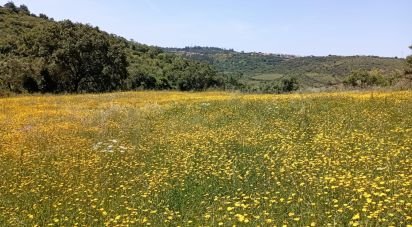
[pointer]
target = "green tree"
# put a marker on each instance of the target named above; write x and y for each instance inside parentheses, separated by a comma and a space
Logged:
(43, 16)
(11, 6)
(78, 58)
(408, 70)
(24, 9)
(363, 78)
(18, 75)
(143, 81)
(289, 85)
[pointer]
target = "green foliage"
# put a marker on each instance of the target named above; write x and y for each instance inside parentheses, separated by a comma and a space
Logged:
(363, 78)
(309, 71)
(230, 61)
(11, 6)
(21, 9)
(152, 68)
(16, 74)
(40, 55)
(64, 57)
(289, 85)
(24, 9)
(43, 16)
(408, 69)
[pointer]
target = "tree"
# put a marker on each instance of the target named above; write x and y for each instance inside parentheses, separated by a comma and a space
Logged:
(143, 81)
(408, 70)
(48, 84)
(289, 85)
(24, 9)
(363, 78)
(43, 16)
(18, 75)
(11, 6)
(78, 58)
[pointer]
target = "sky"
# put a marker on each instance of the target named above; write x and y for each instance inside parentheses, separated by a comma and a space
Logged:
(300, 27)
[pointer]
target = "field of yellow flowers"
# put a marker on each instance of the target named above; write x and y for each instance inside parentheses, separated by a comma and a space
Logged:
(206, 159)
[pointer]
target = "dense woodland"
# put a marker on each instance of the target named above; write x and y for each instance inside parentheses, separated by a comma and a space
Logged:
(38, 54)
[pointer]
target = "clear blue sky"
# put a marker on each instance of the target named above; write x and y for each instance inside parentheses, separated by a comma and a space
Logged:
(302, 27)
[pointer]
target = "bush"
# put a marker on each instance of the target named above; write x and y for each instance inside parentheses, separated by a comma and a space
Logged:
(363, 78)
(289, 85)
(408, 69)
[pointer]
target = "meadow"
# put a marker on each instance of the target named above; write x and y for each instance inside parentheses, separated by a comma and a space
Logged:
(206, 159)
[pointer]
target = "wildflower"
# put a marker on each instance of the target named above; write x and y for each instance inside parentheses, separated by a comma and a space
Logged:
(356, 216)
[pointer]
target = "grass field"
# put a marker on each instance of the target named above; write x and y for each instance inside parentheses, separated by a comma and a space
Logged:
(206, 159)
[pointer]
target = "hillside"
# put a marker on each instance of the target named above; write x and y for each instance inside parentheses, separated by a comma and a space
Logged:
(310, 71)
(38, 54)
(233, 62)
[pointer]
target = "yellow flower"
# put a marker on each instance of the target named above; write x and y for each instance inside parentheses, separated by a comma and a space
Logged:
(296, 219)
(356, 216)
(240, 217)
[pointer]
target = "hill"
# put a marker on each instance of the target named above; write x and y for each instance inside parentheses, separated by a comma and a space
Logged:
(38, 54)
(310, 71)
(229, 61)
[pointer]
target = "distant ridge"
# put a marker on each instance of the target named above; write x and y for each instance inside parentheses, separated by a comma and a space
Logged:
(311, 71)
